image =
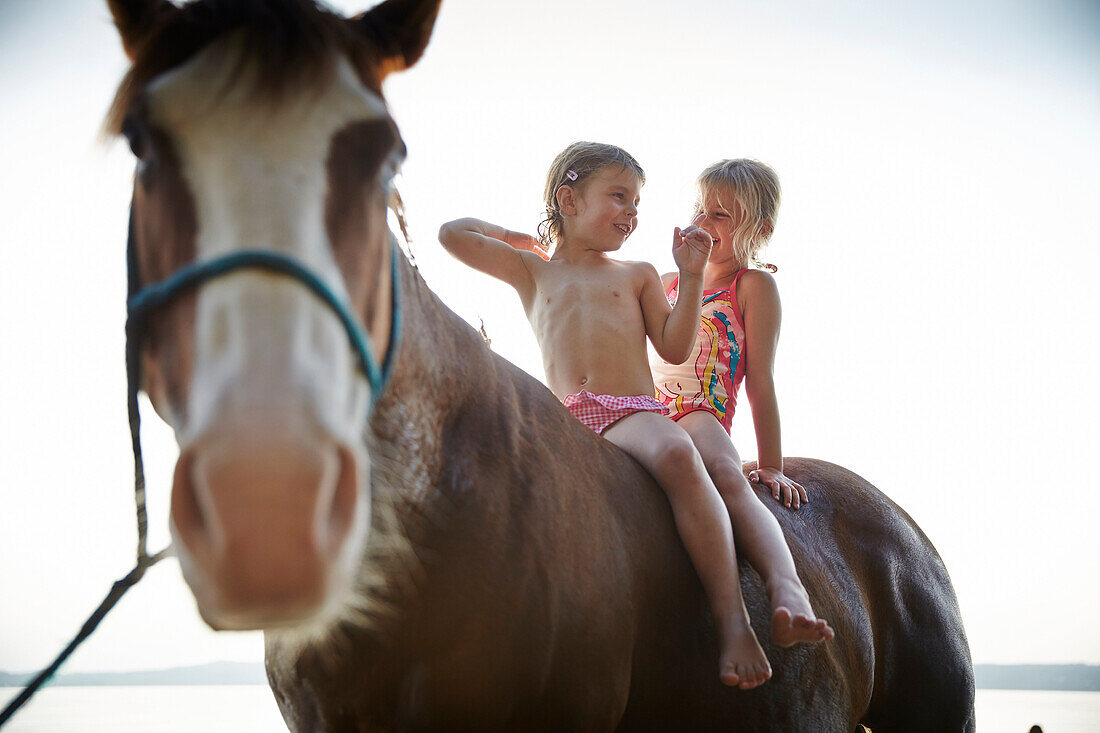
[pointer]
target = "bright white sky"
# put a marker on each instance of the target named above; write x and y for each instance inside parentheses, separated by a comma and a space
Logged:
(936, 251)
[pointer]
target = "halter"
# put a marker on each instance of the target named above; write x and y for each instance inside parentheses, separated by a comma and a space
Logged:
(150, 297)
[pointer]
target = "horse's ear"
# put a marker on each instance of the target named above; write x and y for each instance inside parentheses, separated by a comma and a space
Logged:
(135, 18)
(400, 29)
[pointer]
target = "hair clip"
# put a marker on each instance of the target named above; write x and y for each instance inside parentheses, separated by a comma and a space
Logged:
(571, 174)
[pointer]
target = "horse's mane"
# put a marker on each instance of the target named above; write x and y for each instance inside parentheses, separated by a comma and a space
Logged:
(294, 39)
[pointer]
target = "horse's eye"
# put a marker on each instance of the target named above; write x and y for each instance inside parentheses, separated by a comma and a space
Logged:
(135, 136)
(392, 166)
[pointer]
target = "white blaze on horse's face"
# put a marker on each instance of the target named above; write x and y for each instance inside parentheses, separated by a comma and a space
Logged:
(276, 402)
(258, 181)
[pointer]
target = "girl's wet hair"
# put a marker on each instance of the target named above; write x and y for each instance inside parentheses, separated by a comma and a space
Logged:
(573, 167)
(749, 192)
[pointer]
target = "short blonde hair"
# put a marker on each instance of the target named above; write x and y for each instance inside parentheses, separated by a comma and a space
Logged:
(749, 191)
(573, 167)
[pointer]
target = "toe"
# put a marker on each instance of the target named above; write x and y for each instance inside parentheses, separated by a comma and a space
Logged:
(758, 676)
(781, 618)
(730, 676)
(744, 681)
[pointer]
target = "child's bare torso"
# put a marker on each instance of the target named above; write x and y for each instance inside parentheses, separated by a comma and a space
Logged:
(589, 324)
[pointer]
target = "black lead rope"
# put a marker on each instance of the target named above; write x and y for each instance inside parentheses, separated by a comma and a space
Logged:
(144, 559)
(142, 300)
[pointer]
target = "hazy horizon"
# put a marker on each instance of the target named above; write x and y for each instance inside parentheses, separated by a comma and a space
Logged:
(1033, 677)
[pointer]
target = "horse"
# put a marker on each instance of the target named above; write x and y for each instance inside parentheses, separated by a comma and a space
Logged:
(440, 545)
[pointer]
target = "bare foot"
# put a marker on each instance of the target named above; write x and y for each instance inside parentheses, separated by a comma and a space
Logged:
(743, 663)
(793, 620)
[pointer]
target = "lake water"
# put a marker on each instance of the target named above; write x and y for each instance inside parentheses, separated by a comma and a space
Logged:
(252, 709)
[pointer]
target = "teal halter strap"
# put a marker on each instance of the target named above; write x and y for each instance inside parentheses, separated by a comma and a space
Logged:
(191, 276)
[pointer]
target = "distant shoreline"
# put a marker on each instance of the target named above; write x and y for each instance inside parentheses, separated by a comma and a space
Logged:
(1065, 677)
(1068, 677)
(216, 673)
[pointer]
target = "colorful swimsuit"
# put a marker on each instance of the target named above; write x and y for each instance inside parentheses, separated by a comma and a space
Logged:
(711, 376)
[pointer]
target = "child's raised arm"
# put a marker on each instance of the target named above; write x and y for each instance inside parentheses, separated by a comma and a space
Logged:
(496, 251)
(673, 330)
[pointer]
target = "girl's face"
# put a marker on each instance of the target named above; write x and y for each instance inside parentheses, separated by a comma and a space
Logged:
(719, 222)
(606, 209)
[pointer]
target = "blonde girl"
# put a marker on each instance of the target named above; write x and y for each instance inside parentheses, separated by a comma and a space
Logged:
(737, 204)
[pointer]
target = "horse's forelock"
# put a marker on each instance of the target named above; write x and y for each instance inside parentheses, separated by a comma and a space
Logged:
(295, 39)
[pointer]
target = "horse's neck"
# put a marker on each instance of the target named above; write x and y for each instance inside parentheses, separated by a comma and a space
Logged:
(439, 361)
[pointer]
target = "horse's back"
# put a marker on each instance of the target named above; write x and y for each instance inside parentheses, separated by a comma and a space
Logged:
(922, 675)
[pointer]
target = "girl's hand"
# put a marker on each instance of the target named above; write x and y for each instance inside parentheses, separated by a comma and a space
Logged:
(691, 249)
(784, 490)
(519, 240)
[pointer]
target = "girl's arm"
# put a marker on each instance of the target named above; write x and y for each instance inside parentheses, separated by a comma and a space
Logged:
(763, 313)
(673, 329)
(496, 251)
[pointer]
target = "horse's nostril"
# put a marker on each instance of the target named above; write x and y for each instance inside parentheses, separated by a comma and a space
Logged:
(188, 517)
(342, 510)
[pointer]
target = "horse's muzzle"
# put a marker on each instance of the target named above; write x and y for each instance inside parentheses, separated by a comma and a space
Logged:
(263, 522)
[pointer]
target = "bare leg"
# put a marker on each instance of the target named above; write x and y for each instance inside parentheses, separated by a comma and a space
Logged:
(702, 520)
(793, 618)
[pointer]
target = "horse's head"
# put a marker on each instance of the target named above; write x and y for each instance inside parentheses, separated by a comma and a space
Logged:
(261, 126)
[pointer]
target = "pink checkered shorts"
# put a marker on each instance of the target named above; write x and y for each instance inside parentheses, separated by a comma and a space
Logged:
(599, 411)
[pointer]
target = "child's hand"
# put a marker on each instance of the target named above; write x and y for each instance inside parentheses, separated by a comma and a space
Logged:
(790, 493)
(691, 249)
(519, 240)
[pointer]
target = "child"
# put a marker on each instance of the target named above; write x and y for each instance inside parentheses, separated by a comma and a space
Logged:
(737, 205)
(591, 315)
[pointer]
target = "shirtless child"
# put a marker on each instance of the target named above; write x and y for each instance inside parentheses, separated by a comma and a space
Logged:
(591, 315)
